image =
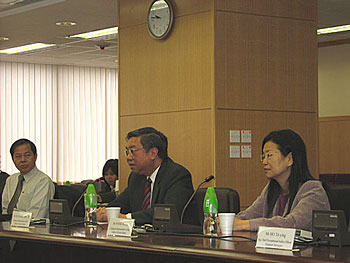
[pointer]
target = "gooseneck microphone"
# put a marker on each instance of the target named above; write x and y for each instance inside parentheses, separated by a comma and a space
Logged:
(206, 180)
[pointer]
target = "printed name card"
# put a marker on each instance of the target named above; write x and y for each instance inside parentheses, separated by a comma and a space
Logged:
(20, 219)
(275, 237)
(120, 227)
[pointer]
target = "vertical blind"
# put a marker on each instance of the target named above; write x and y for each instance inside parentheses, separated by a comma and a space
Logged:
(70, 113)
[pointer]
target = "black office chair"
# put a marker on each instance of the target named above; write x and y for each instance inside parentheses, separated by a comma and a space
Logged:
(228, 202)
(339, 197)
(71, 194)
(3, 178)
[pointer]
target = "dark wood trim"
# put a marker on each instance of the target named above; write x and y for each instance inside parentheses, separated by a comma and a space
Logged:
(334, 118)
(334, 43)
(336, 179)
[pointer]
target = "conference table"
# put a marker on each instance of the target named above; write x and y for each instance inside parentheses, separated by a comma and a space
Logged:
(50, 243)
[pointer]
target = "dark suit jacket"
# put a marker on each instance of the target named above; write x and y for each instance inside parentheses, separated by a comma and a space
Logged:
(3, 177)
(173, 185)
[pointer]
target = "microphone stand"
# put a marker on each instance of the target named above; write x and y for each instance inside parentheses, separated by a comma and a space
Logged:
(77, 202)
(208, 179)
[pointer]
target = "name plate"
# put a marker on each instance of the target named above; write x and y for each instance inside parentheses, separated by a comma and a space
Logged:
(120, 227)
(275, 237)
(21, 219)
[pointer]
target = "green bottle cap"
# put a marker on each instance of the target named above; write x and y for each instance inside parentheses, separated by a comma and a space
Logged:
(210, 204)
(91, 189)
(90, 197)
(67, 183)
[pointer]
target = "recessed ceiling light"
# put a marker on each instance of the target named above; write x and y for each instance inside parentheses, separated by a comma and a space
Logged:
(25, 48)
(98, 33)
(66, 23)
(4, 38)
(334, 29)
(15, 2)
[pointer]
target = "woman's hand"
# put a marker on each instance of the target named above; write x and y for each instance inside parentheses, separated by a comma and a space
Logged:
(239, 224)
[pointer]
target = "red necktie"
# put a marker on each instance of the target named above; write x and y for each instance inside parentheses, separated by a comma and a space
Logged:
(147, 195)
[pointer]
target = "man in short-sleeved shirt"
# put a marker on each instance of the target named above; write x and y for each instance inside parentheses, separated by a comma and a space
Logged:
(37, 187)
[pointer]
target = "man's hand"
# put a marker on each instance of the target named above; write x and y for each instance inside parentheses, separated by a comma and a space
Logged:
(101, 214)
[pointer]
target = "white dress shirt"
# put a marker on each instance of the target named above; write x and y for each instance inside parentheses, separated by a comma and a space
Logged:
(37, 190)
(153, 178)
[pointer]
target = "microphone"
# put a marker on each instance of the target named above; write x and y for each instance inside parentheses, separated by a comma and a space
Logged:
(206, 180)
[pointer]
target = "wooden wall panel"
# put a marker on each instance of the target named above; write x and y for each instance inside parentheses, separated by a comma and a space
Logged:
(299, 9)
(171, 75)
(246, 175)
(265, 63)
(334, 145)
(134, 12)
(190, 135)
(265, 79)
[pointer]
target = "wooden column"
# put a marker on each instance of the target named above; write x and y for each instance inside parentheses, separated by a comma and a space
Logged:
(226, 65)
(265, 79)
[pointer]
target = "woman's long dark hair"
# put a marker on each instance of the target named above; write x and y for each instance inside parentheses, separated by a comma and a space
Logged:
(287, 142)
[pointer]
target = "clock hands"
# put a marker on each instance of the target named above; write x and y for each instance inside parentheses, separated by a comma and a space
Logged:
(155, 17)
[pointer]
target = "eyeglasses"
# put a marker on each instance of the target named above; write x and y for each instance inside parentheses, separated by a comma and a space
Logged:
(266, 155)
(128, 151)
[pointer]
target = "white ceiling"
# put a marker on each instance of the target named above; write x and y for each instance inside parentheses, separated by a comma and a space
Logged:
(34, 21)
(38, 25)
(333, 13)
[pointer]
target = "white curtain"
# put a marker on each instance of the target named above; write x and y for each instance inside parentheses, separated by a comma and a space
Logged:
(70, 113)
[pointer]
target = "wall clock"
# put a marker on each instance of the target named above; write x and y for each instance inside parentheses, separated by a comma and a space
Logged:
(160, 18)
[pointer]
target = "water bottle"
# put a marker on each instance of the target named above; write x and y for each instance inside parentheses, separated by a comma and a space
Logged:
(90, 206)
(210, 209)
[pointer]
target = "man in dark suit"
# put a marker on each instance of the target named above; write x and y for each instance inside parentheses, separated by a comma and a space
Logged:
(153, 175)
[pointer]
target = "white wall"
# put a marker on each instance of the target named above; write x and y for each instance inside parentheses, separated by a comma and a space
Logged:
(334, 81)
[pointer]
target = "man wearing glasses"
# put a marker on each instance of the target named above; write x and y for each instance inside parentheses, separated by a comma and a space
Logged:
(154, 178)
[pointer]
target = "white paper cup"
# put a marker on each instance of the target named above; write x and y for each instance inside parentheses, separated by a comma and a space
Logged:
(112, 212)
(226, 223)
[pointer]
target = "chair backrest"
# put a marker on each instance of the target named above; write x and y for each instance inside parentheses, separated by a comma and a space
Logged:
(100, 186)
(341, 199)
(3, 178)
(71, 194)
(228, 201)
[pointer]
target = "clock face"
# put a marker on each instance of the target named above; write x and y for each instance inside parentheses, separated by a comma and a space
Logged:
(160, 18)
